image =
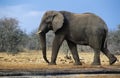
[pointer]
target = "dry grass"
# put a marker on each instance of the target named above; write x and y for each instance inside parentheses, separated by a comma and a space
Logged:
(34, 60)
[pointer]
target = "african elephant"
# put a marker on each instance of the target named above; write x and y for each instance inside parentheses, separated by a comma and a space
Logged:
(83, 29)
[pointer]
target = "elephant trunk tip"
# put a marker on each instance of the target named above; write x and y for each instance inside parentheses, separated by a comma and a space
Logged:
(45, 59)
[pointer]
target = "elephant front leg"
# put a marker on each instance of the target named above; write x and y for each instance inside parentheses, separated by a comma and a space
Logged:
(55, 48)
(74, 52)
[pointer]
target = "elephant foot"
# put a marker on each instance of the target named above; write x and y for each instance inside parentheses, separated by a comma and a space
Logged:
(78, 63)
(96, 63)
(113, 60)
(51, 63)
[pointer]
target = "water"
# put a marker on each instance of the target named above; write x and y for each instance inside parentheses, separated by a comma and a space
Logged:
(70, 76)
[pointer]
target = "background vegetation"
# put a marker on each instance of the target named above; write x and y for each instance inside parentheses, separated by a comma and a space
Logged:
(13, 39)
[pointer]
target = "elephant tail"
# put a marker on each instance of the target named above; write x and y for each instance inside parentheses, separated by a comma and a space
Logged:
(104, 41)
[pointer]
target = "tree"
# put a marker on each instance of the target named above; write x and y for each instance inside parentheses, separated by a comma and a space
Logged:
(33, 41)
(114, 41)
(11, 36)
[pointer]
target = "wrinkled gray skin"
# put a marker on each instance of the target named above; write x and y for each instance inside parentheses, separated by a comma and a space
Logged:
(82, 29)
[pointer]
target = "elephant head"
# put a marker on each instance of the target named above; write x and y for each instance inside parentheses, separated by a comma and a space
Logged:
(51, 20)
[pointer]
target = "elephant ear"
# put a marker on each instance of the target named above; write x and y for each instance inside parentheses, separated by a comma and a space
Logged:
(57, 22)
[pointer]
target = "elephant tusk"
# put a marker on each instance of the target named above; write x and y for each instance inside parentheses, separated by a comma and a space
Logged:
(39, 32)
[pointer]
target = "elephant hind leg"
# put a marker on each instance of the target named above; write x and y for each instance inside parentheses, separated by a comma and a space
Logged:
(111, 57)
(74, 52)
(104, 49)
(96, 60)
(95, 43)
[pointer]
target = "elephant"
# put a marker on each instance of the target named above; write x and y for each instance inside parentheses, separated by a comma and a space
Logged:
(77, 29)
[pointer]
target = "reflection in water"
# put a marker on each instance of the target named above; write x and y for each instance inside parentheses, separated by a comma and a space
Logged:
(70, 76)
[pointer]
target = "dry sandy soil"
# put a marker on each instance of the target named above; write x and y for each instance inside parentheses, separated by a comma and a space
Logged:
(34, 60)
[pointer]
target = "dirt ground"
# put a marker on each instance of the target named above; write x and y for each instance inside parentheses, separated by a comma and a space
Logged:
(34, 60)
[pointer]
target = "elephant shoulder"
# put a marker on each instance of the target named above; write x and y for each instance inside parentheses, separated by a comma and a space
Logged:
(90, 13)
(67, 12)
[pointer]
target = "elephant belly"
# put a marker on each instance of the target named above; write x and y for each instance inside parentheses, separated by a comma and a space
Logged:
(78, 39)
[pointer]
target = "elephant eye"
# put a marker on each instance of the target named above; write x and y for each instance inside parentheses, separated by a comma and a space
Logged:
(48, 19)
(48, 22)
(49, 25)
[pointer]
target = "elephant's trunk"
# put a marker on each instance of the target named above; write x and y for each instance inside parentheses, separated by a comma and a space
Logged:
(43, 45)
